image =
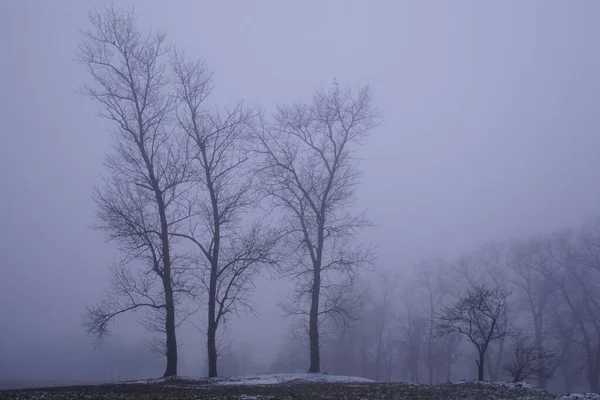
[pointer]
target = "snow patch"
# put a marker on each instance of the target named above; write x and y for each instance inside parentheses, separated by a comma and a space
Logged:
(580, 396)
(283, 378)
(144, 381)
(273, 379)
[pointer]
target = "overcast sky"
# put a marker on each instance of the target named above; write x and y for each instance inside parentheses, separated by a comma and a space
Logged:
(490, 131)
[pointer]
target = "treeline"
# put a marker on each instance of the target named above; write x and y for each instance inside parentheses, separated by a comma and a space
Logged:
(202, 199)
(532, 305)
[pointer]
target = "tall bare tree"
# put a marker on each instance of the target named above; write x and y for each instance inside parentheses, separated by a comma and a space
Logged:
(577, 280)
(430, 282)
(415, 327)
(310, 172)
(486, 265)
(530, 260)
(382, 313)
(229, 256)
(477, 315)
(137, 206)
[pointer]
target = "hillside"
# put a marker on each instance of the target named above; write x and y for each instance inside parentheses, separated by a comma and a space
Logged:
(288, 386)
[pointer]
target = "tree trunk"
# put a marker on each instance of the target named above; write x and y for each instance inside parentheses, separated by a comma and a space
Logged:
(565, 367)
(213, 320)
(537, 323)
(416, 367)
(211, 334)
(171, 369)
(363, 354)
(499, 356)
(594, 375)
(378, 357)
(430, 358)
(594, 383)
(494, 361)
(211, 346)
(543, 366)
(480, 366)
(314, 323)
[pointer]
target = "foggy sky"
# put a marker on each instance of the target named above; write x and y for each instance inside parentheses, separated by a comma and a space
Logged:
(490, 130)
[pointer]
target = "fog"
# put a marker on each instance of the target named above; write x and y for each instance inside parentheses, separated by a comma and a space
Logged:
(489, 131)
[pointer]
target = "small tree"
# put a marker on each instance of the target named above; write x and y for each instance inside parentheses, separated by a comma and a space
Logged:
(527, 361)
(479, 315)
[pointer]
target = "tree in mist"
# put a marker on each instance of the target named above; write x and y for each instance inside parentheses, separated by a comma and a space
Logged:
(485, 265)
(527, 360)
(585, 270)
(414, 325)
(291, 356)
(432, 289)
(382, 312)
(478, 315)
(530, 261)
(137, 205)
(310, 172)
(229, 255)
(577, 279)
(449, 350)
(562, 331)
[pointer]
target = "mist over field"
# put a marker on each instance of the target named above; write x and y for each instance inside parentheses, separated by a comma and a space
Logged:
(211, 189)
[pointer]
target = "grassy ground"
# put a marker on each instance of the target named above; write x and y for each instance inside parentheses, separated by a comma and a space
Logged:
(201, 390)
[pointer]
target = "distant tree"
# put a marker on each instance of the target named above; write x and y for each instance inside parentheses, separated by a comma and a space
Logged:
(530, 260)
(382, 313)
(137, 205)
(291, 356)
(485, 265)
(229, 255)
(413, 324)
(577, 281)
(478, 315)
(527, 360)
(449, 348)
(309, 171)
(247, 357)
(432, 289)
(562, 330)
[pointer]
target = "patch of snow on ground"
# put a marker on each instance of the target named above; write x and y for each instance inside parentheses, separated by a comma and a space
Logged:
(508, 385)
(580, 396)
(533, 388)
(282, 378)
(142, 381)
(511, 385)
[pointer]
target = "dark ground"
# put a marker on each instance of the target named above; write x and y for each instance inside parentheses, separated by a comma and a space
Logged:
(182, 389)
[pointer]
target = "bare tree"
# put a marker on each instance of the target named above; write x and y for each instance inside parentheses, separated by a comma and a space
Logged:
(527, 360)
(485, 265)
(477, 315)
(433, 290)
(577, 280)
(228, 256)
(383, 315)
(530, 261)
(137, 205)
(563, 331)
(415, 328)
(290, 356)
(309, 171)
(449, 348)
